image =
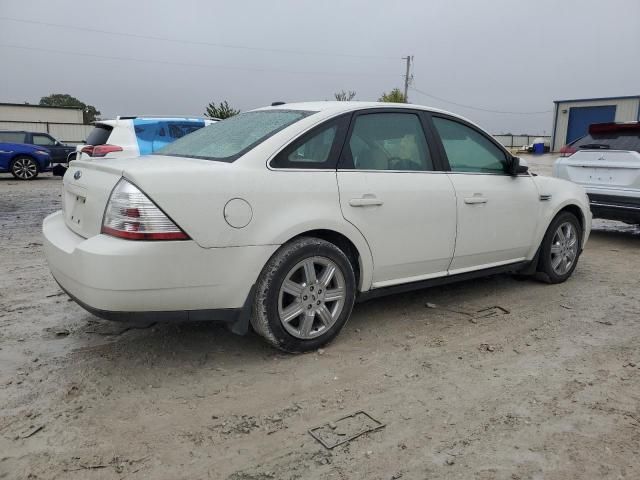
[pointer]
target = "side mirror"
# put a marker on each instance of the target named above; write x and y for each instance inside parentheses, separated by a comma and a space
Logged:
(518, 166)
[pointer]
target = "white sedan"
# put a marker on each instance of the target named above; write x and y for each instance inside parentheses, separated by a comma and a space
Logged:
(283, 217)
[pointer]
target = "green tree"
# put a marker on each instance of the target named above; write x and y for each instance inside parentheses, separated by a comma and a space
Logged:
(90, 113)
(394, 96)
(221, 111)
(343, 96)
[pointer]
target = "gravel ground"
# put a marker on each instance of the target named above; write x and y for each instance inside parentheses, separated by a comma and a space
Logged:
(488, 379)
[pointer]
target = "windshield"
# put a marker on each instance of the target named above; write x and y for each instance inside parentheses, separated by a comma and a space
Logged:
(629, 140)
(229, 139)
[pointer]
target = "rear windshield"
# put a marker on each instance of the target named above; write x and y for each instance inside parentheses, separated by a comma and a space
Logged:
(229, 139)
(99, 135)
(610, 141)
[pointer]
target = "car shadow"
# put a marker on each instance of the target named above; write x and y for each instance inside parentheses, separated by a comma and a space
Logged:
(7, 177)
(158, 345)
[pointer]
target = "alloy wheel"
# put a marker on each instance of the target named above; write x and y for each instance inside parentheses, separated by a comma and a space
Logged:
(311, 297)
(25, 168)
(564, 248)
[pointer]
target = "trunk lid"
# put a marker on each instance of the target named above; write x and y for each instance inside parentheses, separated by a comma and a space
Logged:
(169, 182)
(86, 189)
(604, 168)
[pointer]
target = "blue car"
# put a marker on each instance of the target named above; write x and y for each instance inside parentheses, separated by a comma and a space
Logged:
(24, 161)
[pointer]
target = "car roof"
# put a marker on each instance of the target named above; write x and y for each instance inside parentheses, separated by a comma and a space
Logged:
(115, 121)
(332, 107)
(23, 131)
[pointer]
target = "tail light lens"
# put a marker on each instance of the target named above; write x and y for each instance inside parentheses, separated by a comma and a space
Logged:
(87, 149)
(100, 150)
(132, 215)
(567, 151)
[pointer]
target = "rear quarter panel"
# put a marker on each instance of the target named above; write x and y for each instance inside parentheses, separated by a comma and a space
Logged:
(284, 203)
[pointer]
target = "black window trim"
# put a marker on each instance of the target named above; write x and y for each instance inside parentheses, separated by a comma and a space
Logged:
(342, 120)
(346, 164)
(443, 154)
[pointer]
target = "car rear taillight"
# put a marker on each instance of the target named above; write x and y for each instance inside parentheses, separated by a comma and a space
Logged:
(132, 215)
(87, 149)
(567, 151)
(100, 150)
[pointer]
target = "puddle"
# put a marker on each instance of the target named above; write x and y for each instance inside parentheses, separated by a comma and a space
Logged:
(600, 225)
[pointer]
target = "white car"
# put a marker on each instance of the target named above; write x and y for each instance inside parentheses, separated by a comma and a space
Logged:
(606, 162)
(284, 216)
(134, 136)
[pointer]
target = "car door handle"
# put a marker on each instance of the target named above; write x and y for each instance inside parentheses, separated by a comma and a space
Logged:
(366, 201)
(476, 199)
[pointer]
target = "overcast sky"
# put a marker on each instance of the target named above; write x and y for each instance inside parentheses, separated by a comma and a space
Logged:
(504, 55)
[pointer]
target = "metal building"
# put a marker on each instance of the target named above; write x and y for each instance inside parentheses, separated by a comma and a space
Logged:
(572, 118)
(64, 123)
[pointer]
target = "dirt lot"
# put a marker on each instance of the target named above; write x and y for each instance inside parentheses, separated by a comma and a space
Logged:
(548, 387)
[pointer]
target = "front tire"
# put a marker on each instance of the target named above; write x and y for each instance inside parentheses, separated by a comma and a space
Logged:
(304, 295)
(560, 249)
(25, 168)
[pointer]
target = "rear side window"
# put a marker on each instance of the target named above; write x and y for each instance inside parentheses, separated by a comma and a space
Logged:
(388, 141)
(610, 141)
(176, 130)
(99, 135)
(12, 137)
(229, 139)
(468, 150)
(152, 135)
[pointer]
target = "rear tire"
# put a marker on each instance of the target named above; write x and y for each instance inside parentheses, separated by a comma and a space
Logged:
(24, 168)
(304, 295)
(560, 249)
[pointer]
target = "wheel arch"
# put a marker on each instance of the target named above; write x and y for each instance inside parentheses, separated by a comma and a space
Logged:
(575, 210)
(355, 248)
(27, 155)
(566, 206)
(24, 155)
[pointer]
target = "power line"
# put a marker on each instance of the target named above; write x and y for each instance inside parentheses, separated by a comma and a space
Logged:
(477, 108)
(199, 65)
(192, 42)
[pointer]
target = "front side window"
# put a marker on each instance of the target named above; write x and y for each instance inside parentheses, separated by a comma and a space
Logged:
(43, 140)
(468, 150)
(388, 141)
(229, 139)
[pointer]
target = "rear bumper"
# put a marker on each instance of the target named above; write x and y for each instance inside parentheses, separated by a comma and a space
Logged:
(236, 318)
(135, 280)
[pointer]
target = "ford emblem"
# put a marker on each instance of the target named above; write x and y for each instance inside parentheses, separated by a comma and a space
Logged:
(77, 175)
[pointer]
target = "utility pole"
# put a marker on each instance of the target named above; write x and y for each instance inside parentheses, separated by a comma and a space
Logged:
(407, 78)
